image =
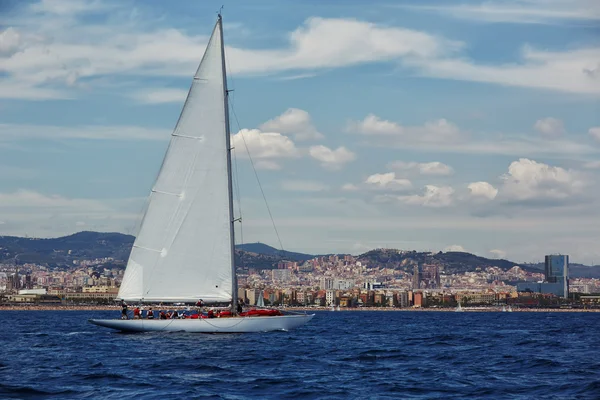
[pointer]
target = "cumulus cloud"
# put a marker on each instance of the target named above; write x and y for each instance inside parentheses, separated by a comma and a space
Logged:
(349, 187)
(433, 196)
(497, 253)
(482, 190)
(332, 159)
(267, 165)
(595, 133)
(9, 41)
(455, 247)
(388, 181)
(303, 186)
(429, 168)
(550, 127)
(530, 180)
(293, 122)
(264, 147)
(592, 165)
(431, 132)
(443, 136)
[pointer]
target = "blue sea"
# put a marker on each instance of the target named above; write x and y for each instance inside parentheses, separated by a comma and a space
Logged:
(338, 355)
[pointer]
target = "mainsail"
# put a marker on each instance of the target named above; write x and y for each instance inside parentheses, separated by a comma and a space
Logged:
(184, 249)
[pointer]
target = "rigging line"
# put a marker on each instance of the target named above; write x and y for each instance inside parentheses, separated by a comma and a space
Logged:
(258, 180)
(231, 105)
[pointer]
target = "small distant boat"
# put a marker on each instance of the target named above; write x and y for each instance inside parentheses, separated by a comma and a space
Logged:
(332, 308)
(337, 308)
(509, 309)
(503, 308)
(459, 308)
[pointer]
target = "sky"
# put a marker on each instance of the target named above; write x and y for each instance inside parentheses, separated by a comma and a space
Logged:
(438, 125)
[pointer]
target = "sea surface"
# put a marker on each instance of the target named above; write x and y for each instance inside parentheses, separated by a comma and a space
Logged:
(338, 355)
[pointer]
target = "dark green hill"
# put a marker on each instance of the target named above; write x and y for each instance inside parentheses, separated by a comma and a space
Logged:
(261, 248)
(452, 261)
(63, 250)
(92, 245)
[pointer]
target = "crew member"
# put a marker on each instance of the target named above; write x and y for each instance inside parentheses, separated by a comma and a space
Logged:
(124, 310)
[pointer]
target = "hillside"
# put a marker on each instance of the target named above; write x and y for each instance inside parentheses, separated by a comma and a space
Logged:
(453, 261)
(63, 251)
(91, 245)
(261, 248)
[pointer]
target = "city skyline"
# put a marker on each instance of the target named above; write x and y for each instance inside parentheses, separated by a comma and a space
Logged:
(466, 127)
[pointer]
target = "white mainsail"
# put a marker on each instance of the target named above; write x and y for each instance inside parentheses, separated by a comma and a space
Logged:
(183, 251)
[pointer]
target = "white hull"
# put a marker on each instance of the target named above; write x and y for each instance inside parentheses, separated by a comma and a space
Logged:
(207, 325)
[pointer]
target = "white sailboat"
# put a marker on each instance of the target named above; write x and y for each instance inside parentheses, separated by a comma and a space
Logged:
(184, 250)
(260, 302)
(459, 308)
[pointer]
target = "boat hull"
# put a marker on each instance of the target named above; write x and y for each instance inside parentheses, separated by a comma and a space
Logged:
(207, 325)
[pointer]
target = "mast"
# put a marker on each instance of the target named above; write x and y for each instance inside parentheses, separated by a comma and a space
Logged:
(234, 294)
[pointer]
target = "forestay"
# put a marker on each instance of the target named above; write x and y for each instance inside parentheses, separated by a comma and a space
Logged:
(183, 250)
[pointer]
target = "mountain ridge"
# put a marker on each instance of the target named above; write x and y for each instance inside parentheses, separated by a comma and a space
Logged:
(64, 250)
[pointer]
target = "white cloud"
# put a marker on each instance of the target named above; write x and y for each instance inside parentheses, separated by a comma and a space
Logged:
(158, 96)
(30, 199)
(592, 165)
(349, 187)
(550, 127)
(37, 214)
(497, 253)
(482, 190)
(529, 180)
(519, 11)
(595, 133)
(349, 42)
(333, 159)
(388, 181)
(567, 71)
(91, 132)
(429, 168)
(9, 41)
(123, 45)
(52, 62)
(68, 7)
(304, 186)
(455, 247)
(431, 132)
(433, 196)
(267, 165)
(293, 122)
(443, 136)
(264, 145)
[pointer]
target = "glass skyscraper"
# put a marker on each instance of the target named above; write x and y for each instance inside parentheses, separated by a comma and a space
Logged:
(557, 271)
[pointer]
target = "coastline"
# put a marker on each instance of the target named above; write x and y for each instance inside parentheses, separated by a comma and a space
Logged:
(307, 309)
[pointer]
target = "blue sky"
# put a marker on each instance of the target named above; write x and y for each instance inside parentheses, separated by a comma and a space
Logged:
(408, 124)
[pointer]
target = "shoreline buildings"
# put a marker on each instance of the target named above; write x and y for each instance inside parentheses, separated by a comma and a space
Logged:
(556, 277)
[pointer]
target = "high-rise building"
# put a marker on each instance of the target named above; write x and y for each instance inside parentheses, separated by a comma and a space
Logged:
(556, 279)
(416, 282)
(557, 271)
